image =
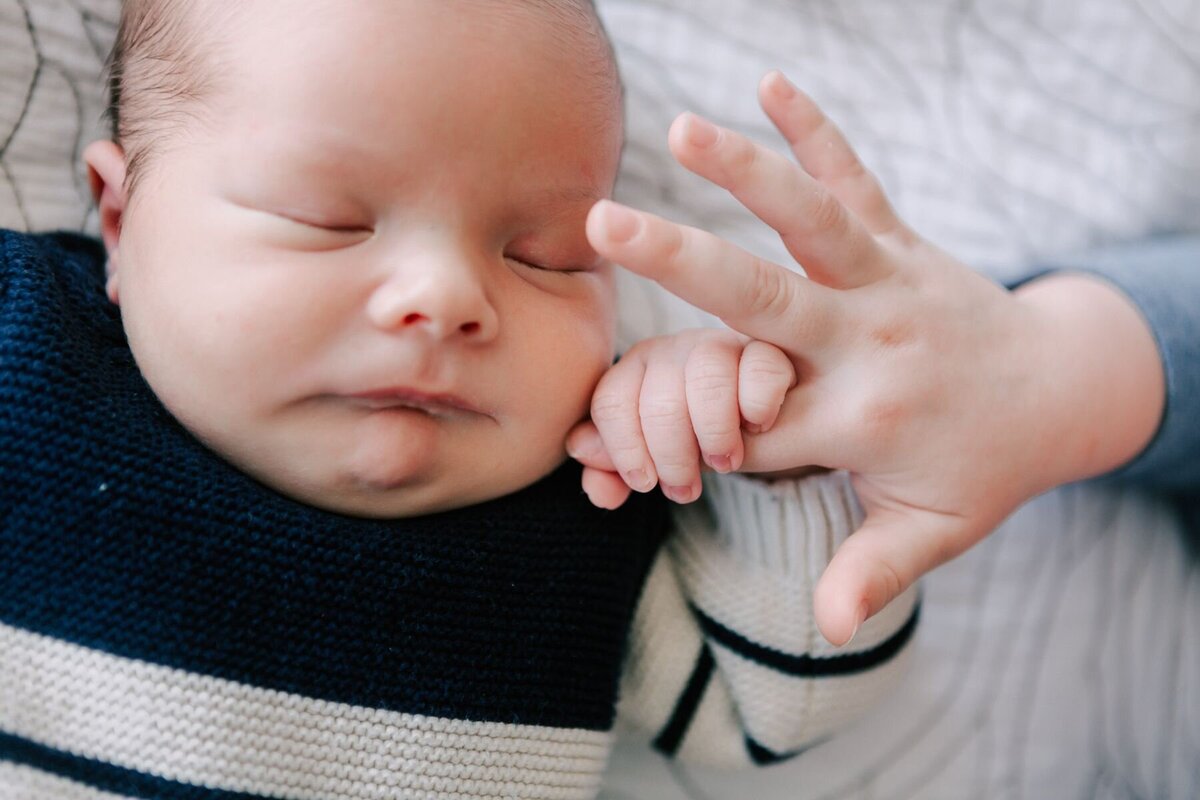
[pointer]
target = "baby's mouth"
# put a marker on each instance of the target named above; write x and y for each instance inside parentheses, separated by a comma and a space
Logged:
(439, 405)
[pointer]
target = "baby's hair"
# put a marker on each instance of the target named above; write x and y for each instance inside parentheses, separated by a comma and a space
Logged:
(580, 16)
(158, 72)
(162, 67)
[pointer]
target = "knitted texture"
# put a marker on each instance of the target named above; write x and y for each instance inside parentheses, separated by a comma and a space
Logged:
(169, 628)
(225, 623)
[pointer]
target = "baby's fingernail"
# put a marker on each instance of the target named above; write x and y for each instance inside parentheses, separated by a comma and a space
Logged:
(720, 463)
(620, 223)
(680, 494)
(752, 427)
(781, 86)
(637, 480)
(701, 132)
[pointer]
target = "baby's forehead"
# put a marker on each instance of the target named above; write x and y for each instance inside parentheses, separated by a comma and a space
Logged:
(502, 135)
(172, 56)
(573, 27)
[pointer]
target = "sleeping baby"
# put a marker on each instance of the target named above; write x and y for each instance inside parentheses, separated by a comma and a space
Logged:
(283, 499)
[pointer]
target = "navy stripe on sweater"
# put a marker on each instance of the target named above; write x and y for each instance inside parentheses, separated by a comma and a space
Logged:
(805, 665)
(106, 777)
(671, 736)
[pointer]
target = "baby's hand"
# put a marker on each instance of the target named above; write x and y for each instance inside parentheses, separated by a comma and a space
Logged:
(672, 401)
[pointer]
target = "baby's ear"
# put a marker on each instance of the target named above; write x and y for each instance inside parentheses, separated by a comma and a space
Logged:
(106, 173)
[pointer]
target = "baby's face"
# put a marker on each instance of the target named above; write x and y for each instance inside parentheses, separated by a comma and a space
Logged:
(365, 281)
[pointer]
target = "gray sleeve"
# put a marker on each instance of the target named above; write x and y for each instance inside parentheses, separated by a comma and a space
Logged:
(1162, 278)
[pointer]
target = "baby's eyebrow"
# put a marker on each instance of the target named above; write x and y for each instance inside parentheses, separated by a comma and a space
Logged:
(316, 151)
(558, 201)
(574, 194)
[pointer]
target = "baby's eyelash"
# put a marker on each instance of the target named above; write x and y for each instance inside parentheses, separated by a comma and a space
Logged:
(540, 268)
(330, 228)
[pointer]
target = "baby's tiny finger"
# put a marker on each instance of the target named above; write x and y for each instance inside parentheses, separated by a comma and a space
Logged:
(585, 446)
(765, 374)
(711, 385)
(604, 489)
(615, 412)
(667, 426)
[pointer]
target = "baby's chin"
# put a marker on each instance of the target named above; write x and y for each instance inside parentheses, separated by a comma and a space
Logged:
(382, 483)
(388, 497)
(396, 502)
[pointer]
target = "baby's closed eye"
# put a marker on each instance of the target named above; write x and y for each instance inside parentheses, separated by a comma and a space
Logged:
(309, 230)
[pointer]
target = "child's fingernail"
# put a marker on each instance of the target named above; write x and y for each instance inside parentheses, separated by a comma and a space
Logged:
(859, 620)
(720, 463)
(638, 480)
(781, 86)
(680, 494)
(620, 222)
(701, 132)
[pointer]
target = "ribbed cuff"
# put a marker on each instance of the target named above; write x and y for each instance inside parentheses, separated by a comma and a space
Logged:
(788, 526)
(754, 564)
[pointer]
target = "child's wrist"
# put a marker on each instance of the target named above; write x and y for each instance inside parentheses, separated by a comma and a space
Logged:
(1101, 387)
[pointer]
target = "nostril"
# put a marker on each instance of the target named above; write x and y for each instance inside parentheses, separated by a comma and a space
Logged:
(413, 318)
(469, 328)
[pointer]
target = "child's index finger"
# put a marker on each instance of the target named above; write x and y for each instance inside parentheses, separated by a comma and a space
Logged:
(751, 295)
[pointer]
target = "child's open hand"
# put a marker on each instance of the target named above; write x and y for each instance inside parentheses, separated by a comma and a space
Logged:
(949, 400)
(674, 403)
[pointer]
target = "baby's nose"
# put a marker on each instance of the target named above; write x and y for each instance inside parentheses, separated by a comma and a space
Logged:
(442, 307)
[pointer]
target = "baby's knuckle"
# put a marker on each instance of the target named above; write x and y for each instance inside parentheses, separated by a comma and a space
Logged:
(710, 378)
(708, 366)
(765, 371)
(716, 429)
(708, 397)
(675, 465)
(663, 413)
(612, 406)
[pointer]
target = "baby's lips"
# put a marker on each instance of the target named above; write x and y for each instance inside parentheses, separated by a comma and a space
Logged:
(438, 404)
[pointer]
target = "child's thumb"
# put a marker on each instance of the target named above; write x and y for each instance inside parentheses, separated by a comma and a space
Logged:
(873, 567)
